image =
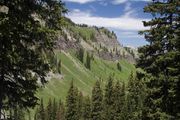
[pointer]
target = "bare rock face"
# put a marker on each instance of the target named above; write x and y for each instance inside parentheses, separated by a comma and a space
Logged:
(102, 43)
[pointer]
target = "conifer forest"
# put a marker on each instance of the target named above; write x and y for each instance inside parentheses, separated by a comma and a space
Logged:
(89, 60)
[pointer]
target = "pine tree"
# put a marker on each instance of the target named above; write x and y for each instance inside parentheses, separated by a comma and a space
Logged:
(160, 60)
(109, 100)
(119, 66)
(23, 39)
(19, 113)
(60, 112)
(80, 54)
(86, 109)
(80, 105)
(54, 110)
(97, 102)
(135, 98)
(49, 110)
(88, 61)
(118, 103)
(72, 104)
(59, 67)
(42, 112)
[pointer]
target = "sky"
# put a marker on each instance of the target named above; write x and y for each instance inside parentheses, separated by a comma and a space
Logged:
(124, 17)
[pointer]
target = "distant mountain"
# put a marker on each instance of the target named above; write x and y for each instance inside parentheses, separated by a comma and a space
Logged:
(85, 54)
(99, 41)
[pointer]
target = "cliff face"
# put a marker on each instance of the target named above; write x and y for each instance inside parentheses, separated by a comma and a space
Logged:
(99, 41)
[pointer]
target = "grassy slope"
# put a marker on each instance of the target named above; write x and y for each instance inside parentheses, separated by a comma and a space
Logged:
(83, 78)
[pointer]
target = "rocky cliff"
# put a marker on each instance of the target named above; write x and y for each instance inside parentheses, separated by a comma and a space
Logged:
(99, 41)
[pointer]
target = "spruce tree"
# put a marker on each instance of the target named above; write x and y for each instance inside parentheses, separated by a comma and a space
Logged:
(54, 110)
(88, 61)
(80, 54)
(97, 102)
(23, 39)
(160, 60)
(59, 66)
(118, 103)
(109, 100)
(135, 98)
(42, 112)
(19, 113)
(60, 112)
(80, 105)
(49, 110)
(72, 104)
(86, 109)
(119, 66)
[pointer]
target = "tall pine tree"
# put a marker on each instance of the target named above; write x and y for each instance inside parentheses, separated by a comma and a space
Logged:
(97, 102)
(86, 110)
(23, 38)
(160, 60)
(72, 104)
(109, 100)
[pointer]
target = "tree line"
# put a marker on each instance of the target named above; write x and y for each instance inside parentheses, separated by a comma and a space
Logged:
(114, 101)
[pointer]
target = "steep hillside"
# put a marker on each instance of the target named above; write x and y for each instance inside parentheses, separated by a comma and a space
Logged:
(105, 54)
(83, 78)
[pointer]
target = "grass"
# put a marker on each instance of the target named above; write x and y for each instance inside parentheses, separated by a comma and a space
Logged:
(84, 79)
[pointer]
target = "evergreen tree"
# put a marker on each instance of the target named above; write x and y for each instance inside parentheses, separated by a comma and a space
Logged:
(135, 98)
(59, 67)
(19, 113)
(119, 102)
(86, 109)
(80, 105)
(88, 61)
(160, 60)
(60, 112)
(42, 112)
(97, 102)
(23, 38)
(49, 110)
(119, 66)
(109, 100)
(80, 54)
(72, 104)
(54, 110)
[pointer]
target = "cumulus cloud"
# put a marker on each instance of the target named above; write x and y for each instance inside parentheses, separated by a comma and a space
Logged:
(125, 22)
(79, 1)
(123, 1)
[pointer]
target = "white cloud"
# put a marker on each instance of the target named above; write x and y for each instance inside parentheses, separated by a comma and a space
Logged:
(123, 1)
(79, 1)
(124, 22)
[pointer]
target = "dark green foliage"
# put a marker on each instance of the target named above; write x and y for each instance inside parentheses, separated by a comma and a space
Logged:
(49, 110)
(119, 102)
(54, 110)
(97, 102)
(60, 112)
(160, 60)
(40, 113)
(19, 114)
(59, 67)
(23, 39)
(135, 98)
(80, 54)
(80, 105)
(72, 104)
(88, 61)
(108, 101)
(119, 66)
(86, 109)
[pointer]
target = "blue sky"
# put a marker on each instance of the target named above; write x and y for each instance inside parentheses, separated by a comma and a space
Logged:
(124, 17)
